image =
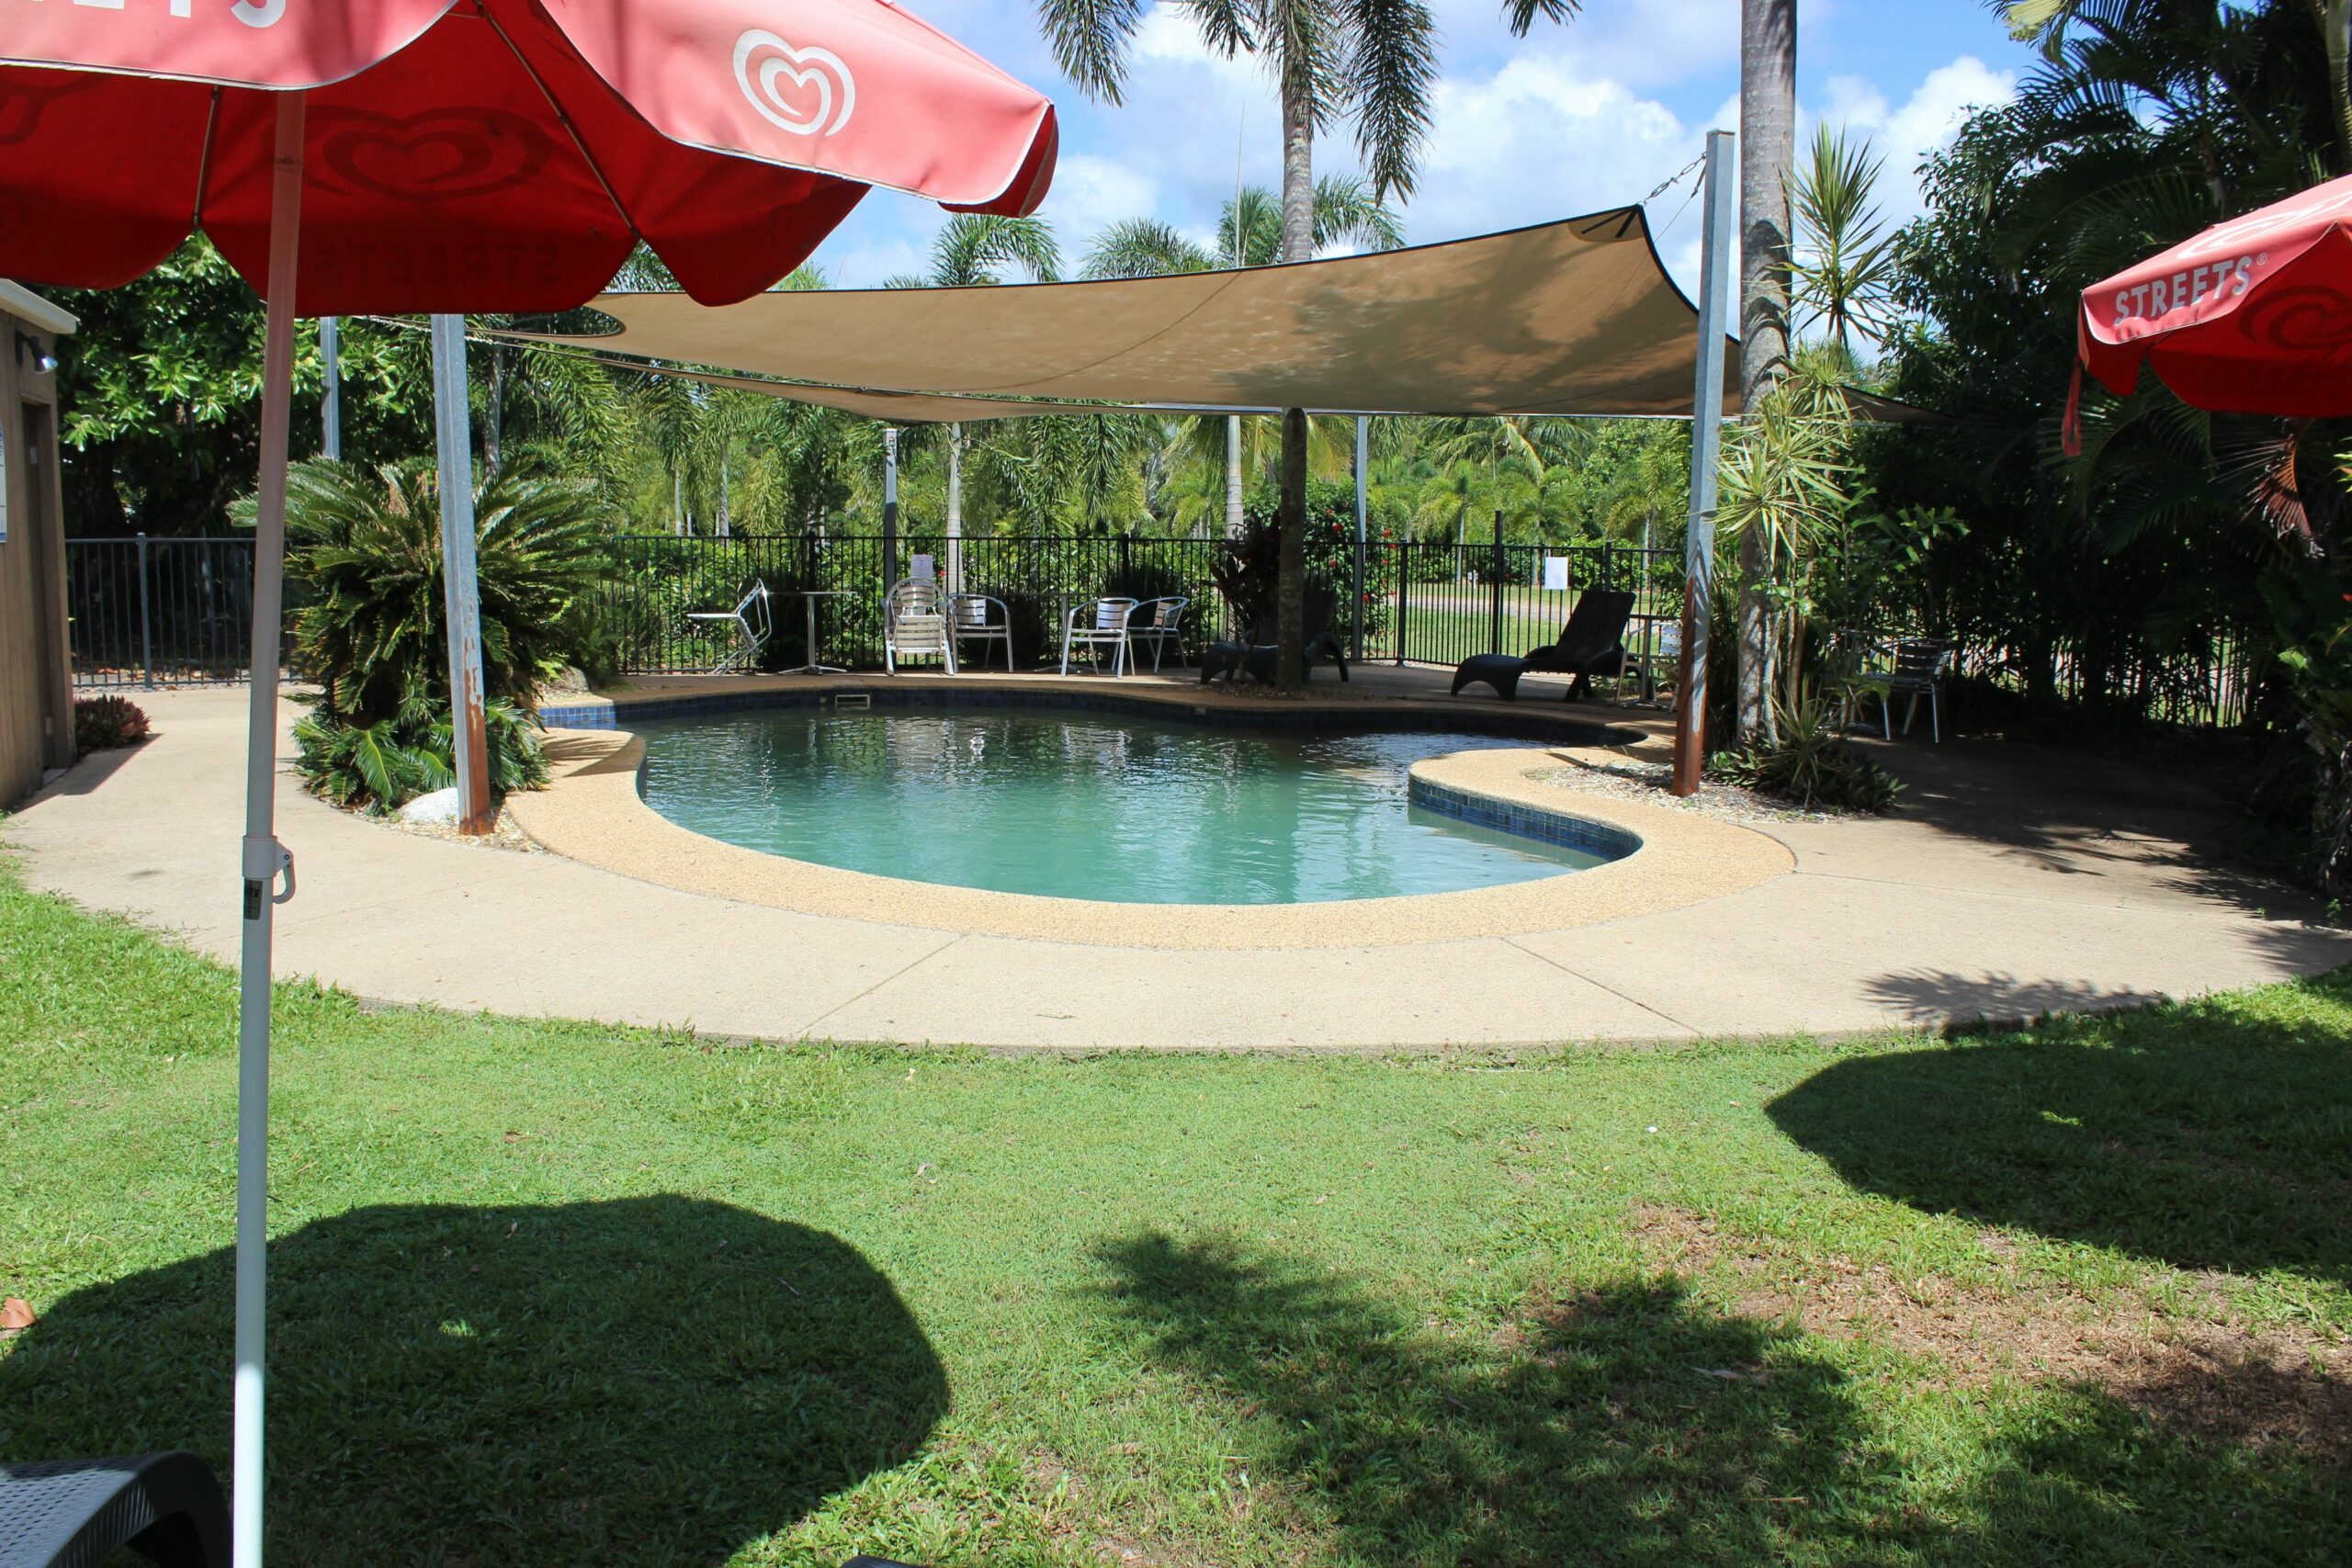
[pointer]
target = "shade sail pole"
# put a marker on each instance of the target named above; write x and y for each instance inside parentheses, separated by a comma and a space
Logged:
(1363, 469)
(1706, 449)
(330, 407)
(264, 857)
(461, 594)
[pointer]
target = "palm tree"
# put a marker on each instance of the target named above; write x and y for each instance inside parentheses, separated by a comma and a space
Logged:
(1249, 234)
(971, 252)
(1370, 63)
(1767, 119)
(1844, 268)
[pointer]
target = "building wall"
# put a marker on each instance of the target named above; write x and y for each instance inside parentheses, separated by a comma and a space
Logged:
(36, 682)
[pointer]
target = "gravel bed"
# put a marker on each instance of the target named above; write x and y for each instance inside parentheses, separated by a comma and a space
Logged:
(1646, 783)
(502, 835)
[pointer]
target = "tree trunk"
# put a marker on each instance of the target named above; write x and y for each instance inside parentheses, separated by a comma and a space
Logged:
(726, 524)
(494, 422)
(1298, 245)
(1233, 476)
(1290, 615)
(1768, 113)
(954, 509)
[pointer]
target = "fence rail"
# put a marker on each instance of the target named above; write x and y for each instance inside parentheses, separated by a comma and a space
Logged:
(150, 612)
(164, 611)
(1421, 603)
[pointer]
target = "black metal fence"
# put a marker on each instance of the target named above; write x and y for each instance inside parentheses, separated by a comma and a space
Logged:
(159, 612)
(1421, 603)
(177, 611)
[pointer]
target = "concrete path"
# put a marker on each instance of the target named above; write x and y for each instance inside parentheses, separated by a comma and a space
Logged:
(2015, 881)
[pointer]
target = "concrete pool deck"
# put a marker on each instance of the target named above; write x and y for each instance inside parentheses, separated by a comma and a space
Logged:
(2015, 880)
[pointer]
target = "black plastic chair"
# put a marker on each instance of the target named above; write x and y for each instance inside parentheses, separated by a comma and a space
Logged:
(78, 1513)
(1591, 643)
(1256, 658)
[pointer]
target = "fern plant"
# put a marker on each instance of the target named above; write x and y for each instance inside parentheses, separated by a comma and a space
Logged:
(372, 629)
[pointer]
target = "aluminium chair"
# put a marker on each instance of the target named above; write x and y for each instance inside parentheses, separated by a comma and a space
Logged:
(915, 625)
(750, 624)
(1096, 625)
(1591, 643)
(976, 617)
(1161, 624)
(1915, 667)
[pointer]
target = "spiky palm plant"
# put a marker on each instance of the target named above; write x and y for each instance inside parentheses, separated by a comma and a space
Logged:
(373, 629)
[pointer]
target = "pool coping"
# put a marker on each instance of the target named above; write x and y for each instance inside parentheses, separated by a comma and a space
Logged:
(592, 812)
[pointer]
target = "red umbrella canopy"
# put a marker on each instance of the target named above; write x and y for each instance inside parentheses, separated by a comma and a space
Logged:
(490, 155)
(2252, 316)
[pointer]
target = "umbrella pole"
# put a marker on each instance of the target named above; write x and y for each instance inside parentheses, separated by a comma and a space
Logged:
(264, 857)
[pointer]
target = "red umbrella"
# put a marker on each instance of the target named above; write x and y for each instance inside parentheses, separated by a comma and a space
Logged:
(436, 156)
(2252, 316)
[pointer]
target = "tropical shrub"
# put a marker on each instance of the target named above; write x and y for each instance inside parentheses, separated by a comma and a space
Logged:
(372, 628)
(1247, 575)
(1806, 763)
(106, 723)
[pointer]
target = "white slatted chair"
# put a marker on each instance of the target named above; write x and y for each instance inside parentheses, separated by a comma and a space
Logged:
(751, 622)
(979, 618)
(915, 625)
(1094, 626)
(1160, 623)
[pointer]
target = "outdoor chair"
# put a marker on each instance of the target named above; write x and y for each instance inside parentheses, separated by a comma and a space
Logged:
(979, 618)
(1161, 623)
(915, 625)
(1915, 667)
(1591, 643)
(1096, 625)
(751, 626)
(1256, 657)
(80, 1513)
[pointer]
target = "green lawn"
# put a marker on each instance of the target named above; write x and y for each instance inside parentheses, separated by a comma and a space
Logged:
(560, 1294)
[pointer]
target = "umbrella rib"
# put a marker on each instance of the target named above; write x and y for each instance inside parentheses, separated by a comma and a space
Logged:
(204, 158)
(563, 119)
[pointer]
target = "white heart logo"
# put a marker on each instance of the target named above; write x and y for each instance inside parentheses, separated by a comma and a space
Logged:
(764, 63)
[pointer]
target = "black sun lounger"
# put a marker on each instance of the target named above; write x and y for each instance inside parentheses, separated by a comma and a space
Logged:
(1593, 643)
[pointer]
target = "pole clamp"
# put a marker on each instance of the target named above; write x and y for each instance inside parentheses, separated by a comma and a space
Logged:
(265, 862)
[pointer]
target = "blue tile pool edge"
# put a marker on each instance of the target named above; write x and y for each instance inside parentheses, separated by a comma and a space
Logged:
(1543, 824)
(1368, 718)
(1519, 820)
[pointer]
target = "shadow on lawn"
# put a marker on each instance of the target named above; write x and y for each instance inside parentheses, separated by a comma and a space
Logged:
(2205, 1135)
(1630, 1424)
(651, 1379)
(1638, 1423)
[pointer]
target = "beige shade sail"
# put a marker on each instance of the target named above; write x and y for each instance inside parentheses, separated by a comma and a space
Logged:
(1576, 316)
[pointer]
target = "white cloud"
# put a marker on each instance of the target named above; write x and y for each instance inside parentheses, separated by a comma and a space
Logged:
(1904, 136)
(1092, 191)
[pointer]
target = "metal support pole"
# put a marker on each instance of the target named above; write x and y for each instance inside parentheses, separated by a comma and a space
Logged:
(264, 860)
(146, 620)
(331, 413)
(1404, 573)
(461, 593)
(1706, 447)
(889, 508)
(1363, 426)
(1495, 589)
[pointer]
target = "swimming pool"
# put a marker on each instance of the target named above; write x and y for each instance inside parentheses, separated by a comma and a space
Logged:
(1081, 806)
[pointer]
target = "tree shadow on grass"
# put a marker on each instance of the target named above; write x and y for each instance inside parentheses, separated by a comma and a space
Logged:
(2205, 1135)
(1635, 1424)
(1628, 1425)
(647, 1380)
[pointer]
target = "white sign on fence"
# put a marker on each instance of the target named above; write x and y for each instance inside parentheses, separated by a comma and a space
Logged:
(1556, 574)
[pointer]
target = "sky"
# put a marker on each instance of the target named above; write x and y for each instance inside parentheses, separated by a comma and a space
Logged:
(1576, 118)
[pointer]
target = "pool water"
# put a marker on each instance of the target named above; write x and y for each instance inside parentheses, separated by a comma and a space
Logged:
(1077, 806)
